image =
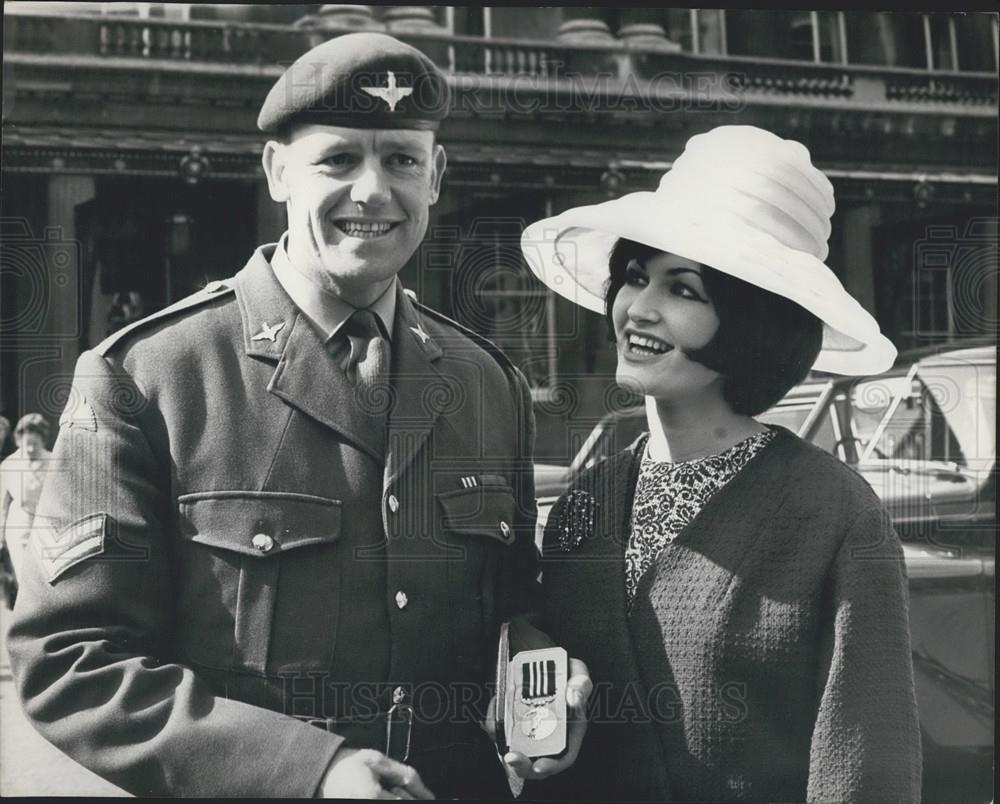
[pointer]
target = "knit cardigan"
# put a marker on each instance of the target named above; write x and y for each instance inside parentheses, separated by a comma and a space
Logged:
(766, 656)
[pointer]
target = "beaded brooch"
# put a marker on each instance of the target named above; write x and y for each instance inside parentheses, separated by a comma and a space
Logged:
(576, 520)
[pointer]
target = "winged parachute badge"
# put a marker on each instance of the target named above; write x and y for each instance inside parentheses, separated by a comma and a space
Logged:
(391, 93)
(269, 333)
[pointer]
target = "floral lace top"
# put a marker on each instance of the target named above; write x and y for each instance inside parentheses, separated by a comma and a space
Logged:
(669, 495)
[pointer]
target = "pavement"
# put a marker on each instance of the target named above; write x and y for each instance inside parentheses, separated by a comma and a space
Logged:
(29, 766)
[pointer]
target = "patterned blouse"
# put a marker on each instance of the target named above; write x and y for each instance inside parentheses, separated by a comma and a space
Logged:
(669, 495)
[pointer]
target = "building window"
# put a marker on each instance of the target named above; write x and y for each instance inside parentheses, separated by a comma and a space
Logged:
(773, 34)
(831, 36)
(976, 41)
(523, 22)
(467, 20)
(934, 280)
(710, 26)
(883, 38)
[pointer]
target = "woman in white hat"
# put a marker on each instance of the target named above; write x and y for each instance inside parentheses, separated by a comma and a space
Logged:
(739, 595)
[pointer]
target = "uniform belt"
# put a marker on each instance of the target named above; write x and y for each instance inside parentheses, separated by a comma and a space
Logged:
(390, 732)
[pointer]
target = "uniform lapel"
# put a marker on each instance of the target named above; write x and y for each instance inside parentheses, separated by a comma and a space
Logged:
(417, 385)
(306, 376)
(267, 313)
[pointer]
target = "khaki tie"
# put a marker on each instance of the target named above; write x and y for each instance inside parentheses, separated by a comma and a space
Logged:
(367, 369)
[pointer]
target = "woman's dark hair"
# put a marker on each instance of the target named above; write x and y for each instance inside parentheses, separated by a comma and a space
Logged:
(765, 343)
(32, 423)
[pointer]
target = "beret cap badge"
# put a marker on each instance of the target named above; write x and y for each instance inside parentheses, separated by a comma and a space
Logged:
(575, 520)
(391, 93)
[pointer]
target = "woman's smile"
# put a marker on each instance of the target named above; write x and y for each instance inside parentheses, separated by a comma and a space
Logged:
(642, 346)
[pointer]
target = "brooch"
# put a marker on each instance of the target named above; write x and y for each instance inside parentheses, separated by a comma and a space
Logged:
(576, 519)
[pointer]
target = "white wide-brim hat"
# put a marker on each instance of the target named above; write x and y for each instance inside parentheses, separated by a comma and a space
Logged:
(741, 200)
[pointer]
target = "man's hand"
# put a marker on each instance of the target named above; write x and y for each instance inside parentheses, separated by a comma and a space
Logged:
(370, 774)
(578, 689)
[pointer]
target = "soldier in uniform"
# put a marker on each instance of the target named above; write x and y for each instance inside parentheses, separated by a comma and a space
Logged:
(280, 534)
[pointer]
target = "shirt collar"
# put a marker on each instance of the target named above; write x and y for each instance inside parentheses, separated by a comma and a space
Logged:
(326, 311)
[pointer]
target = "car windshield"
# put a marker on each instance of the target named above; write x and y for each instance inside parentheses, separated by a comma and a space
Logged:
(941, 411)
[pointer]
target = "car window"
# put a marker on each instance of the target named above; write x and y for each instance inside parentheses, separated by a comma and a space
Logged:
(871, 402)
(939, 412)
(790, 417)
(616, 434)
(962, 404)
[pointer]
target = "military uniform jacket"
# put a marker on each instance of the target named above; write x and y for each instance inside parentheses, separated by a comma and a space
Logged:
(218, 554)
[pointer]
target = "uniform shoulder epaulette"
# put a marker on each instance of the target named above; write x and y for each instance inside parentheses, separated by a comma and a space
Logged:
(484, 343)
(212, 291)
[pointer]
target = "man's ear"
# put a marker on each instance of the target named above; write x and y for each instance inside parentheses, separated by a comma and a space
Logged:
(273, 160)
(440, 160)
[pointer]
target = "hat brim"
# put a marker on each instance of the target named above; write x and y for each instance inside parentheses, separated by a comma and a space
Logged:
(569, 253)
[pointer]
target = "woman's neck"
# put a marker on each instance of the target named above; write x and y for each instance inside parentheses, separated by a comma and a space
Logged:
(687, 431)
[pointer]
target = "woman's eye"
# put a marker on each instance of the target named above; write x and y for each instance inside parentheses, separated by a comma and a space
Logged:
(634, 275)
(686, 292)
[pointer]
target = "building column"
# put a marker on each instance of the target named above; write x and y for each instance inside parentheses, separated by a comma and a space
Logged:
(584, 25)
(63, 264)
(986, 282)
(856, 230)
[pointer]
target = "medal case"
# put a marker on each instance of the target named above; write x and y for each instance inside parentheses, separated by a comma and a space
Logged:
(531, 700)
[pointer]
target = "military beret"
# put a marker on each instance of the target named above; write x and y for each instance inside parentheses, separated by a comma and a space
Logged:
(359, 80)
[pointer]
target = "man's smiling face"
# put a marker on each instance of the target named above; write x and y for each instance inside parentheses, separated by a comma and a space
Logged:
(358, 202)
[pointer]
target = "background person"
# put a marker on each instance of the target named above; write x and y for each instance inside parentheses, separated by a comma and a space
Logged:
(22, 475)
(4, 433)
(738, 594)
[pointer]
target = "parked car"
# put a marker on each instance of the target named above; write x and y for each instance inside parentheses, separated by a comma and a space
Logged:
(924, 436)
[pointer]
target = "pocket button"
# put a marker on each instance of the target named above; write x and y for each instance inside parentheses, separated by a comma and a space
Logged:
(262, 542)
(504, 529)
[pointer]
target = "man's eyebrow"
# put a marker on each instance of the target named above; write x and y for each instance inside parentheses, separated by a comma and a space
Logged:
(312, 149)
(404, 143)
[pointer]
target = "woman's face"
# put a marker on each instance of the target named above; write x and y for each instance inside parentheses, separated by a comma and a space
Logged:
(32, 445)
(661, 312)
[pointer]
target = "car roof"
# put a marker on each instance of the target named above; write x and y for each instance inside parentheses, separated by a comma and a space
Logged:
(974, 354)
(971, 348)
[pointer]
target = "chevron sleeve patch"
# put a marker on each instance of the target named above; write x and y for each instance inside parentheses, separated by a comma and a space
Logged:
(58, 550)
(79, 413)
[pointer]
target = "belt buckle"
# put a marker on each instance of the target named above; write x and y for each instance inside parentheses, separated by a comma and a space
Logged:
(398, 726)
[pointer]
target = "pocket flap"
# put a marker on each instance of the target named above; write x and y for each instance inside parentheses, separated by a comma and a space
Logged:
(483, 510)
(258, 523)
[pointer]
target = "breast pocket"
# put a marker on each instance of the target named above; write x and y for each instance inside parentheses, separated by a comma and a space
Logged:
(478, 528)
(258, 582)
(482, 511)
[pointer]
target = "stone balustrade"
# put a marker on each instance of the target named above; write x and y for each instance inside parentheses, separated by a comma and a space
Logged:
(642, 57)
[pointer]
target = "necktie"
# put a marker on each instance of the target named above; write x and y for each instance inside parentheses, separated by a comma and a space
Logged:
(367, 369)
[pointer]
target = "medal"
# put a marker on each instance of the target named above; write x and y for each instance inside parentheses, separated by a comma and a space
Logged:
(531, 701)
(538, 690)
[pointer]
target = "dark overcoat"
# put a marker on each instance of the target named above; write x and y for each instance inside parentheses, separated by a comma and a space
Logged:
(766, 655)
(223, 562)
